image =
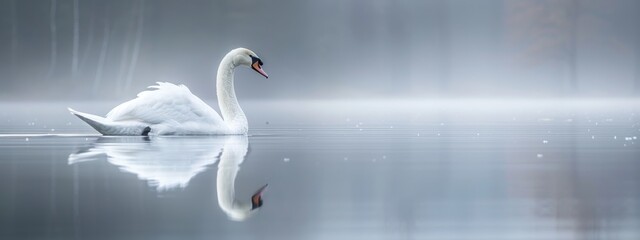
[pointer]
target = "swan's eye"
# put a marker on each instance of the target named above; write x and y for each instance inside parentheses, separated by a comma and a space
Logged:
(255, 59)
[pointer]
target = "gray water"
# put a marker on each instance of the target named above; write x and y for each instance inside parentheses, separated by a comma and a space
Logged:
(436, 169)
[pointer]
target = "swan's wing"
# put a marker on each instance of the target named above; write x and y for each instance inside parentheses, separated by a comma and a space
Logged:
(166, 102)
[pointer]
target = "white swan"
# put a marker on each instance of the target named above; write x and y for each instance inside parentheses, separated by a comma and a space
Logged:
(172, 109)
(167, 163)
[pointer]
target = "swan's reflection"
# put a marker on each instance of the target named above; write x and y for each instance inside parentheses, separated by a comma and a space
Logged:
(171, 162)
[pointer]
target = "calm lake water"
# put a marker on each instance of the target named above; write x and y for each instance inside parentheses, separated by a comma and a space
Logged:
(455, 169)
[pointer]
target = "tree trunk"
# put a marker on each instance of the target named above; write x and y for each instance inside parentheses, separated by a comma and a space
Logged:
(122, 71)
(444, 50)
(14, 40)
(14, 30)
(89, 45)
(9, 80)
(573, 74)
(574, 19)
(103, 55)
(76, 38)
(136, 47)
(637, 74)
(54, 45)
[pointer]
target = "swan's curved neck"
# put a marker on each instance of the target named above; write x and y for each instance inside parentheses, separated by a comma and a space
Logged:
(230, 109)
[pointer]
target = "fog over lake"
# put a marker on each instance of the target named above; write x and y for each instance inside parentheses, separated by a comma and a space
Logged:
(432, 119)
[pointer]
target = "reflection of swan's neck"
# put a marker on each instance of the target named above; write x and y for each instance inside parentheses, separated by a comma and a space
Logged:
(229, 107)
(232, 156)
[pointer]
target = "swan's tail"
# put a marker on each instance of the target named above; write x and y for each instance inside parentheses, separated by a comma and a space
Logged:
(84, 156)
(108, 127)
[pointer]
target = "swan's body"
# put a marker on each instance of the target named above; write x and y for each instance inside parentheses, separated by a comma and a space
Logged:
(173, 109)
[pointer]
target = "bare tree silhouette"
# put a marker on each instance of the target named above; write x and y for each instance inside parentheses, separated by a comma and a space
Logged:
(547, 30)
(76, 38)
(637, 68)
(106, 33)
(90, 35)
(124, 67)
(136, 47)
(54, 44)
(444, 45)
(14, 36)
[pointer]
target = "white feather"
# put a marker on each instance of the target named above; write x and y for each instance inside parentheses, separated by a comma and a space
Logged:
(170, 109)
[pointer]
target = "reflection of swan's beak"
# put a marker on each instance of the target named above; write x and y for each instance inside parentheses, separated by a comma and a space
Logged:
(256, 199)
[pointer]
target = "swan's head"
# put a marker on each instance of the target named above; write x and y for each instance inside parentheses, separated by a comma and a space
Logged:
(247, 58)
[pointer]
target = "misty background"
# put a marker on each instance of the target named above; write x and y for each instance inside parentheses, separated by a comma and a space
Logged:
(330, 49)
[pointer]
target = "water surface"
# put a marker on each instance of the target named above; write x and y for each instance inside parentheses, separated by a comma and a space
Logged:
(336, 170)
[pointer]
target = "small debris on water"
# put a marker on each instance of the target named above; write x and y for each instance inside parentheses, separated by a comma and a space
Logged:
(286, 159)
(539, 155)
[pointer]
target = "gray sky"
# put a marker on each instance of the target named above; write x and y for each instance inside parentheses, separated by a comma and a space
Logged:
(322, 49)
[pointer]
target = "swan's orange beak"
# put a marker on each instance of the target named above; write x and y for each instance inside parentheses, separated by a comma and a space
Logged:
(256, 66)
